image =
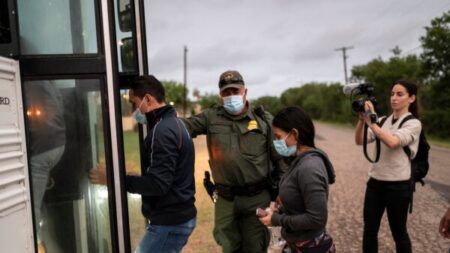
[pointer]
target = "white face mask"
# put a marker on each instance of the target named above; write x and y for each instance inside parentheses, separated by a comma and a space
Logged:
(140, 118)
(282, 148)
(233, 104)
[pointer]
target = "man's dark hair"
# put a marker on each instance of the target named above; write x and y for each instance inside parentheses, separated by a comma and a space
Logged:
(148, 84)
(295, 117)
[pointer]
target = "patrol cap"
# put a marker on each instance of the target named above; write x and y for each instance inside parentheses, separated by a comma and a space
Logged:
(230, 79)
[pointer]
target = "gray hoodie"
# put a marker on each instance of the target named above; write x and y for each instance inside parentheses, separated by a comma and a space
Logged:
(304, 196)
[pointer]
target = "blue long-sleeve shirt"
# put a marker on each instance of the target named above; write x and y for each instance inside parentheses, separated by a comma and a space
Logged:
(167, 184)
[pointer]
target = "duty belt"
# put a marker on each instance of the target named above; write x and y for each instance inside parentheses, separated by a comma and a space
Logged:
(228, 192)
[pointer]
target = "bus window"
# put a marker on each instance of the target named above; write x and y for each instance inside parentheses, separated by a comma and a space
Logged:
(132, 163)
(65, 139)
(5, 30)
(125, 15)
(125, 37)
(57, 27)
(9, 46)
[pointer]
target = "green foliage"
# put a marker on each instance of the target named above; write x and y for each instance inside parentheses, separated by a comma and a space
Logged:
(436, 57)
(435, 114)
(436, 95)
(209, 100)
(295, 96)
(270, 103)
(337, 106)
(320, 100)
(436, 47)
(175, 93)
(437, 122)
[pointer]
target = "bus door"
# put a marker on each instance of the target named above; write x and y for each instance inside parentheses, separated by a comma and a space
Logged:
(15, 207)
(76, 59)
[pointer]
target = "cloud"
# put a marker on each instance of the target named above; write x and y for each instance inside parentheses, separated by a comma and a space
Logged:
(278, 44)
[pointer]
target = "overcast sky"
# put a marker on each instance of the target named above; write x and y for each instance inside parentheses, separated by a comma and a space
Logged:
(279, 44)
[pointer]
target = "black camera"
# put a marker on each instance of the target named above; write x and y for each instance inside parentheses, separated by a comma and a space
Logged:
(359, 94)
(358, 104)
(363, 91)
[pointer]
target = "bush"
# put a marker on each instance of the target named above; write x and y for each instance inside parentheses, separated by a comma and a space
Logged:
(436, 122)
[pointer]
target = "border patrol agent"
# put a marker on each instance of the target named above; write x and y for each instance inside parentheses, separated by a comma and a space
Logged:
(237, 145)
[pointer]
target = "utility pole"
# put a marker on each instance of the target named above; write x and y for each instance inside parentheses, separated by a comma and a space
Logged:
(344, 55)
(185, 80)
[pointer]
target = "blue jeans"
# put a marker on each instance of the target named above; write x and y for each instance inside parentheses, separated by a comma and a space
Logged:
(166, 239)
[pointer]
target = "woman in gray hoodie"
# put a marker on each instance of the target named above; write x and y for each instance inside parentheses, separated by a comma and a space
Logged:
(303, 195)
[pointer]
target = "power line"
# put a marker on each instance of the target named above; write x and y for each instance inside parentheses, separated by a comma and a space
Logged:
(411, 50)
(344, 55)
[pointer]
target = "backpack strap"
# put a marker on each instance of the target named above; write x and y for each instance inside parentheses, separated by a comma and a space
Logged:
(406, 148)
(383, 119)
(408, 153)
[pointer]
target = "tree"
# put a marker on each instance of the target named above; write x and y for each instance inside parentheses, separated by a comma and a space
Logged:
(175, 93)
(209, 100)
(321, 101)
(271, 104)
(436, 47)
(436, 57)
(296, 96)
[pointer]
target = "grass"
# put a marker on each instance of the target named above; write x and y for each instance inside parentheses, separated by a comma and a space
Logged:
(438, 141)
(132, 164)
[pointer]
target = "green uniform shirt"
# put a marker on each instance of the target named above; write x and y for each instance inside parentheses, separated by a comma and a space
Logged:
(236, 144)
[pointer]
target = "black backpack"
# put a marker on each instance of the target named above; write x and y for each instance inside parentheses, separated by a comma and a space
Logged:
(419, 165)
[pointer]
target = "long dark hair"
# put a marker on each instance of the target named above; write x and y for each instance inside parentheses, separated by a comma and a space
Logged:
(411, 88)
(295, 117)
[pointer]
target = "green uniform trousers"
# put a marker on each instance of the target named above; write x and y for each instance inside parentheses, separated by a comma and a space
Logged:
(237, 228)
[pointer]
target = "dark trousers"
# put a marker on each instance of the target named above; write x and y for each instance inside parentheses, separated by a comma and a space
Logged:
(395, 197)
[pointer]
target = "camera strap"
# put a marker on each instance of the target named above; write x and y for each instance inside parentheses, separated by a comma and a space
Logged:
(377, 147)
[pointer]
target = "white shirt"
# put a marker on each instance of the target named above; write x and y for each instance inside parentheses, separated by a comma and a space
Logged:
(394, 164)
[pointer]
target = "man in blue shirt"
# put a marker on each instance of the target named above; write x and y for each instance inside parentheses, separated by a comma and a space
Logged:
(167, 184)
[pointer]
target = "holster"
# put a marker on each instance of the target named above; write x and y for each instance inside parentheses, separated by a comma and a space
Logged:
(209, 185)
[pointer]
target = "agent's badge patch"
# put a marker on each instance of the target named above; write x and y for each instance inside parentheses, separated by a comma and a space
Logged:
(252, 125)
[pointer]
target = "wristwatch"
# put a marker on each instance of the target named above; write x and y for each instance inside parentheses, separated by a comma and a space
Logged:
(373, 118)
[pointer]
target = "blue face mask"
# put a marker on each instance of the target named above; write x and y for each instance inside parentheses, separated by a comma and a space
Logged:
(282, 148)
(233, 104)
(140, 118)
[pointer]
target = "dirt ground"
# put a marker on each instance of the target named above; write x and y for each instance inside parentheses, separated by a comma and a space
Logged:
(346, 198)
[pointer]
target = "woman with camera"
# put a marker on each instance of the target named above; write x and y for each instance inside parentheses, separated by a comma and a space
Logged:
(388, 187)
(303, 193)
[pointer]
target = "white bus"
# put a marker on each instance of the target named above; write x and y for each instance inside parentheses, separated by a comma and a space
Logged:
(64, 66)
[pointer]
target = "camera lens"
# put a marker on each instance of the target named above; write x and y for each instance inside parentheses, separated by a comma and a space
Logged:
(358, 105)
